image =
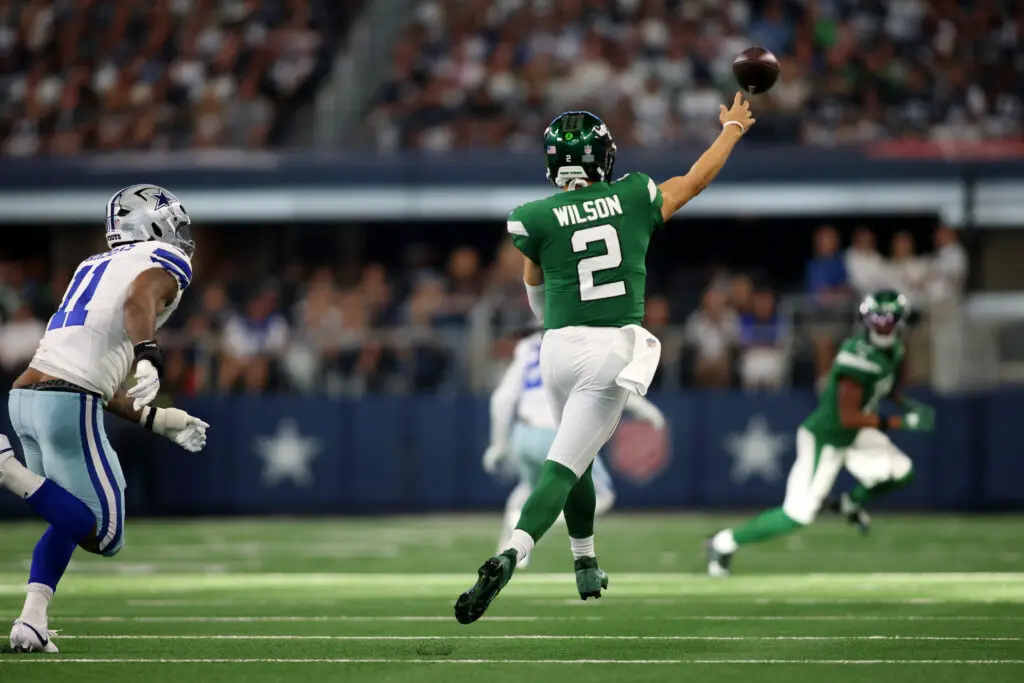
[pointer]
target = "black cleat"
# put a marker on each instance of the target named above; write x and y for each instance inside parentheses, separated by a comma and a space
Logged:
(590, 578)
(493, 575)
(854, 513)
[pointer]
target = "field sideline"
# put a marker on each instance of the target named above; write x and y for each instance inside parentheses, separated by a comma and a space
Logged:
(924, 598)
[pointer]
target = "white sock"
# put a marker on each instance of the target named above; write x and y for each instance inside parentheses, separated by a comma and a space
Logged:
(513, 506)
(37, 601)
(522, 543)
(18, 479)
(724, 543)
(582, 547)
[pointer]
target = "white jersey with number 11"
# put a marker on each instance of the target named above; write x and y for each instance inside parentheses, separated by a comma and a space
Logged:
(85, 341)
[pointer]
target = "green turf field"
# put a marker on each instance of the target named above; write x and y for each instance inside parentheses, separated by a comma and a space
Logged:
(936, 599)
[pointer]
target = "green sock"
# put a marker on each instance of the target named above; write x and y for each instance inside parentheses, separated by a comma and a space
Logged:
(862, 494)
(547, 500)
(580, 507)
(768, 524)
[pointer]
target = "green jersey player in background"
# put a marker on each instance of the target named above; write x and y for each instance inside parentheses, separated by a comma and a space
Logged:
(585, 272)
(845, 430)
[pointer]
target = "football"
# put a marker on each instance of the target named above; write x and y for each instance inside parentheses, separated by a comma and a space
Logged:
(756, 70)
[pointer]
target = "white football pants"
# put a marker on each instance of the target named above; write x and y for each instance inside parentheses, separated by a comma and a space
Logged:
(872, 458)
(579, 366)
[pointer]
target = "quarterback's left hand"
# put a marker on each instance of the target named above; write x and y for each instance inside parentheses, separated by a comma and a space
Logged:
(183, 429)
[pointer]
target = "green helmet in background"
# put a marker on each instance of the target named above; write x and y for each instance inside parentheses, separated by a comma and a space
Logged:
(578, 145)
(884, 314)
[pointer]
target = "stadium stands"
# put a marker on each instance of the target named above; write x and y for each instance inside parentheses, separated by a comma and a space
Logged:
(412, 323)
(101, 75)
(105, 75)
(478, 73)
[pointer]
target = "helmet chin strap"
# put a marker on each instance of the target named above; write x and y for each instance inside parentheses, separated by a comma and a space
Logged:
(574, 183)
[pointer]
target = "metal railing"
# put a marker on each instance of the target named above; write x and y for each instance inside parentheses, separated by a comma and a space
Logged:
(968, 345)
(976, 345)
(356, 73)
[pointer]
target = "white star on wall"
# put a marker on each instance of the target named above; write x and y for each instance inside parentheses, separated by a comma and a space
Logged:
(756, 451)
(287, 455)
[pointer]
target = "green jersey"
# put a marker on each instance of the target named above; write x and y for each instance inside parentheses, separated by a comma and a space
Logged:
(873, 368)
(591, 244)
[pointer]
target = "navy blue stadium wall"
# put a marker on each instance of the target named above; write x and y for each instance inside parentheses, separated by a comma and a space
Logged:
(401, 454)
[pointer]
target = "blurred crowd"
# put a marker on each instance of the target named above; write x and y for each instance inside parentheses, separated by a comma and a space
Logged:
(424, 324)
(738, 338)
(351, 329)
(82, 75)
(488, 73)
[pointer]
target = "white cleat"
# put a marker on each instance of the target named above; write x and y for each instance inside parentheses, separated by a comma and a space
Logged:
(717, 571)
(718, 563)
(27, 638)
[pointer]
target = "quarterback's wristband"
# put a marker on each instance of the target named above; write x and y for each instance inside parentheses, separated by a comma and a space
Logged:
(148, 350)
(735, 123)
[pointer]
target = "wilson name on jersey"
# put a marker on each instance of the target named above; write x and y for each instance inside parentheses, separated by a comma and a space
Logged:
(85, 341)
(591, 243)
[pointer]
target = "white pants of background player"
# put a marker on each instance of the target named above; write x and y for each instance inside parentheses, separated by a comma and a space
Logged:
(872, 459)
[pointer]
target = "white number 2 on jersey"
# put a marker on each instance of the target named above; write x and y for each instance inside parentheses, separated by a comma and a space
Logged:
(588, 266)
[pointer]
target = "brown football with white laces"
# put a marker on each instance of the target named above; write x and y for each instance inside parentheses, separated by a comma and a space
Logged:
(756, 70)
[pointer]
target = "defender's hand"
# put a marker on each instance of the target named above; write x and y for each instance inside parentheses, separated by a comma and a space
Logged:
(183, 429)
(147, 384)
(493, 457)
(738, 115)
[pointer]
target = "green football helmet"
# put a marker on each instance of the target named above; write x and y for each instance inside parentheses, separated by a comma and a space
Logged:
(578, 145)
(884, 314)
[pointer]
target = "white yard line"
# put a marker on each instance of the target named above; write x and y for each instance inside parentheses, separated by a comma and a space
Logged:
(634, 662)
(532, 637)
(432, 618)
(839, 617)
(283, 619)
(357, 579)
(867, 601)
